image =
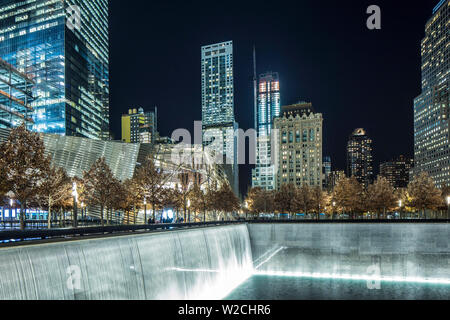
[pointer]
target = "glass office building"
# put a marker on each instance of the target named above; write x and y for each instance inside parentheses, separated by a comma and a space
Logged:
(431, 108)
(62, 45)
(15, 97)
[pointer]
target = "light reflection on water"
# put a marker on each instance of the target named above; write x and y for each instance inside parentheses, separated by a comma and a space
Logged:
(263, 287)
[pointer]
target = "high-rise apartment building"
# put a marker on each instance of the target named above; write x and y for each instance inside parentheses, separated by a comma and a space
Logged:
(218, 119)
(139, 126)
(62, 45)
(359, 157)
(300, 148)
(269, 107)
(334, 178)
(431, 108)
(397, 171)
(326, 172)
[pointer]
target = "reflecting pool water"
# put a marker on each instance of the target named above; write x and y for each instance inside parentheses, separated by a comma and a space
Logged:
(263, 287)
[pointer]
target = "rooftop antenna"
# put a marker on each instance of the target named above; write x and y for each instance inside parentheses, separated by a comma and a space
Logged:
(255, 88)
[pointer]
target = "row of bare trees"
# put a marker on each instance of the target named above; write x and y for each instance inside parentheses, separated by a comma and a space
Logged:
(28, 176)
(351, 198)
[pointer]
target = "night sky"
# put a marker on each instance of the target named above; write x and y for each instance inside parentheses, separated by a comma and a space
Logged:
(322, 50)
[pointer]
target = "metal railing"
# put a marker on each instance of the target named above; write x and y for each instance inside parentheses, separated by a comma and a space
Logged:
(30, 235)
(13, 236)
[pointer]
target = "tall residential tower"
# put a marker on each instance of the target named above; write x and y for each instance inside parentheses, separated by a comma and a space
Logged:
(62, 45)
(269, 107)
(359, 157)
(219, 125)
(431, 108)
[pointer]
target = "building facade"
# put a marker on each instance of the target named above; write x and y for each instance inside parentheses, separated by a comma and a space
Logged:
(269, 107)
(431, 107)
(300, 148)
(326, 172)
(62, 45)
(16, 96)
(218, 119)
(334, 178)
(397, 171)
(359, 157)
(139, 126)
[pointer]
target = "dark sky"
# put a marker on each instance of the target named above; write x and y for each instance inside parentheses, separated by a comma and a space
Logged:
(322, 50)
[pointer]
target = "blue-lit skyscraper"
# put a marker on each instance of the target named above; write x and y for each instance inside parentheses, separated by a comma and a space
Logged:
(431, 108)
(63, 46)
(269, 107)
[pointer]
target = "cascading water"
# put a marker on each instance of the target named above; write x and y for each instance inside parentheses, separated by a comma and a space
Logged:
(194, 264)
(209, 263)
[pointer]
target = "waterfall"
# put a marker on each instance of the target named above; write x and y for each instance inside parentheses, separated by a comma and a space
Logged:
(194, 264)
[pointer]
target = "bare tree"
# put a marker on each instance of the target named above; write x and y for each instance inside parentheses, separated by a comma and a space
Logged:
(257, 200)
(348, 195)
(185, 188)
(381, 196)
(199, 201)
(424, 194)
(98, 182)
(151, 182)
(55, 190)
(304, 199)
(225, 200)
(24, 166)
(285, 199)
(318, 200)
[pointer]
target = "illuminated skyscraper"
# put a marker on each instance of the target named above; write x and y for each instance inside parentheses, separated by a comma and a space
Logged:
(431, 108)
(359, 157)
(219, 123)
(139, 126)
(16, 96)
(326, 165)
(269, 107)
(62, 45)
(397, 171)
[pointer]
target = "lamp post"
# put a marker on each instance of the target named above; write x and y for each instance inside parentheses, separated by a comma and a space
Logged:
(145, 210)
(75, 202)
(11, 204)
(400, 204)
(246, 210)
(82, 211)
(334, 210)
(448, 207)
(189, 210)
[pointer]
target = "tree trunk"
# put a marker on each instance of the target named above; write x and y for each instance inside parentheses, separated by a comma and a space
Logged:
(60, 217)
(49, 217)
(22, 216)
(154, 212)
(101, 216)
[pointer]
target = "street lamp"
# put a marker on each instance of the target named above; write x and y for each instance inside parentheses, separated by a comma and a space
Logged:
(334, 209)
(82, 210)
(448, 208)
(75, 201)
(246, 210)
(400, 204)
(145, 210)
(189, 210)
(11, 204)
